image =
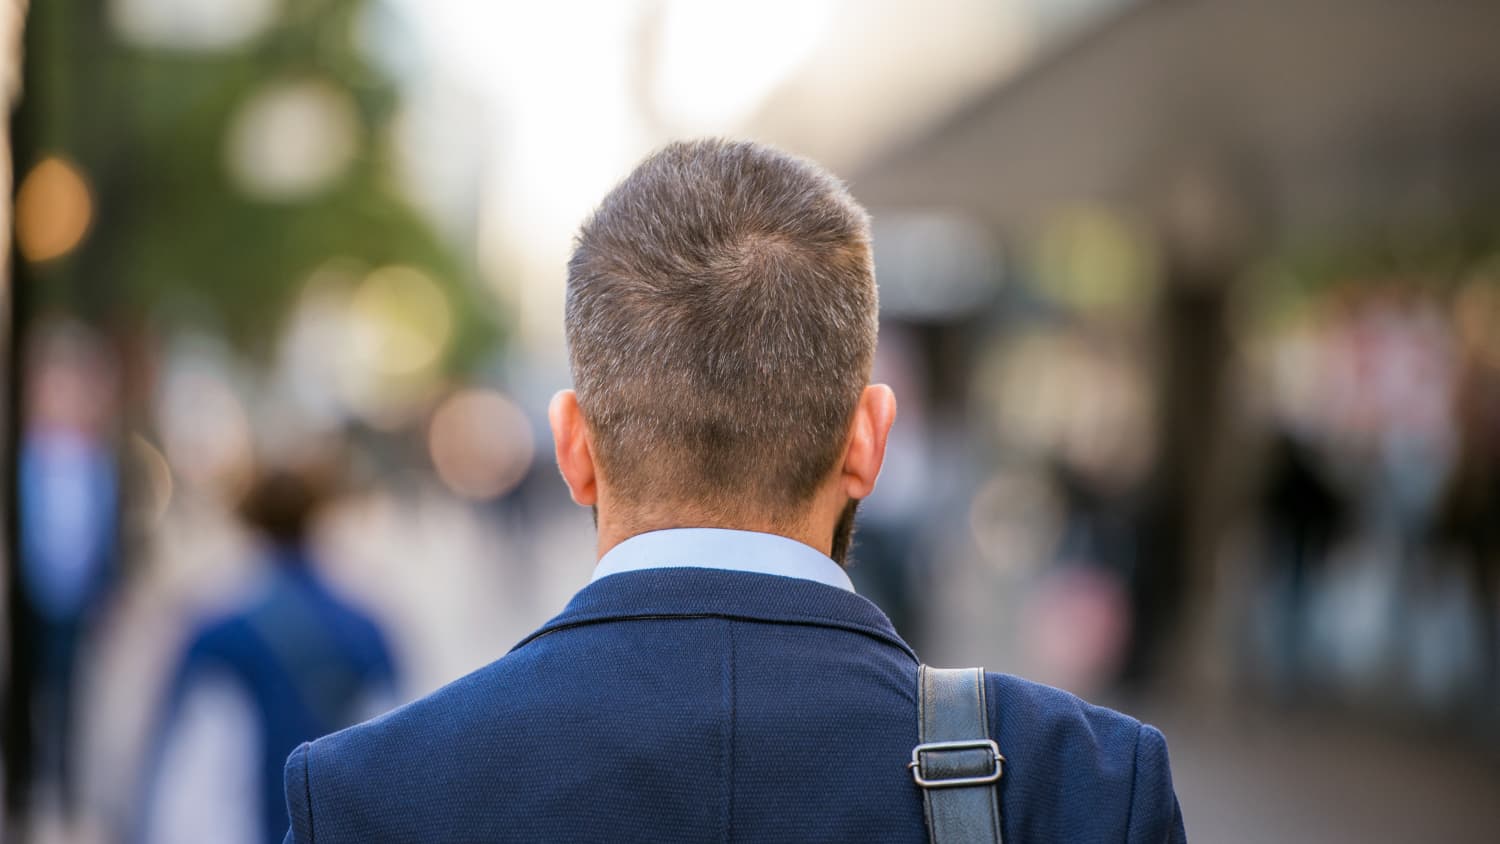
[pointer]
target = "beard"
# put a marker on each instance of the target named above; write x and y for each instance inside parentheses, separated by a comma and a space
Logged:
(843, 534)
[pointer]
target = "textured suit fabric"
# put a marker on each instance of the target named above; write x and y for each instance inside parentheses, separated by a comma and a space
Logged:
(703, 705)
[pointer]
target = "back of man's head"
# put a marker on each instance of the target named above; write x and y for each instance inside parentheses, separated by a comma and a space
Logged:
(721, 321)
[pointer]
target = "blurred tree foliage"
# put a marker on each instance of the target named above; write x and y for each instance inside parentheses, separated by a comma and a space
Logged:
(173, 235)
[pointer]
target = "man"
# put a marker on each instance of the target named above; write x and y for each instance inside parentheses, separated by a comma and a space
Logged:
(718, 679)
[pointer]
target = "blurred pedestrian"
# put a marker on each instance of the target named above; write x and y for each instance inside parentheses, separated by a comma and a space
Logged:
(1301, 515)
(292, 662)
(1469, 515)
(68, 511)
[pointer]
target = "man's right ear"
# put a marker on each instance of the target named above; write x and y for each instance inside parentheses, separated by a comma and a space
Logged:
(575, 454)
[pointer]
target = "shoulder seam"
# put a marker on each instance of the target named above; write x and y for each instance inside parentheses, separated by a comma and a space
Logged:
(802, 621)
(307, 790)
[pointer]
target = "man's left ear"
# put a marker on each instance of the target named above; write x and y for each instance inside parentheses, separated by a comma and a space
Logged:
(575, 457)
(873, 417)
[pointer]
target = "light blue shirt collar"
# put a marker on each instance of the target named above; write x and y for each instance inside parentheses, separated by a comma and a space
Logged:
(718, 548)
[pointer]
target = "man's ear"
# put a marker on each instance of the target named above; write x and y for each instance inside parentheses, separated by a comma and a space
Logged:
(873, 417)
(575, 454)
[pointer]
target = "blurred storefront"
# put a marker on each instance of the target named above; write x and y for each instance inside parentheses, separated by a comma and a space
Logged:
(1250, 241)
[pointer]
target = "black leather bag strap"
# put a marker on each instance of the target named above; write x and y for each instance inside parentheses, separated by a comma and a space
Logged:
(956, 763)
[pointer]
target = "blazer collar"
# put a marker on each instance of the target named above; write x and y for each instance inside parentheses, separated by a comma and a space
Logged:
(698, 592)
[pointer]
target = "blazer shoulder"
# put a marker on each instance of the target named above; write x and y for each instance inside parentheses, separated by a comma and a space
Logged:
(1066, 756)
(1037, 710)
(1155, 814)
(298, 798)
(359, 777)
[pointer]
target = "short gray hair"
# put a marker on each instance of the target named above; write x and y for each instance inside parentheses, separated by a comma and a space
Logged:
(721, 323)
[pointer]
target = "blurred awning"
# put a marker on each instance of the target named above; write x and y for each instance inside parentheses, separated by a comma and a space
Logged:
(1327, 113)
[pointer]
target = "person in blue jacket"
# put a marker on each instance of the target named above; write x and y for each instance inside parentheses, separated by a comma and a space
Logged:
(718, 680)
(289, 662)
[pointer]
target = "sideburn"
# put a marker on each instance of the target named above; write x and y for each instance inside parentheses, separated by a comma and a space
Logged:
(843, 534)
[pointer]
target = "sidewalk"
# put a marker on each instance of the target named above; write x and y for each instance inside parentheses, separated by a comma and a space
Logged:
(1247, 774)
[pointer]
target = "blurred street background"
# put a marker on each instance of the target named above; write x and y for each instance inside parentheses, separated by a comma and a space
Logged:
(1192, 308)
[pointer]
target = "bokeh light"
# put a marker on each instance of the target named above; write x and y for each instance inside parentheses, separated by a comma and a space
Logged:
(1014, 520)
(397, 326)
(192, 24)
(1091, 258)
(292, 139)
(400, 321)
(53, 210)
(481, 443)
(155, 493)
(204, 426)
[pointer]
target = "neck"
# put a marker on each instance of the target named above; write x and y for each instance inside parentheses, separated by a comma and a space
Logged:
(616, 523)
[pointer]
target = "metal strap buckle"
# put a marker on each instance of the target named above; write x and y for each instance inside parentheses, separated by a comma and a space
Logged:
(978, 744)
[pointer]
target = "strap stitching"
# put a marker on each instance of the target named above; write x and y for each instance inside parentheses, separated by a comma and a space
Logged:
(925, 684)
(984, 723)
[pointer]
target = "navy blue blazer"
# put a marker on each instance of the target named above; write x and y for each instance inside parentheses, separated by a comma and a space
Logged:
(691, 704)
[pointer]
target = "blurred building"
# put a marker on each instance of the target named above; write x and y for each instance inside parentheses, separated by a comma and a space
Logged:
(1156, 162)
